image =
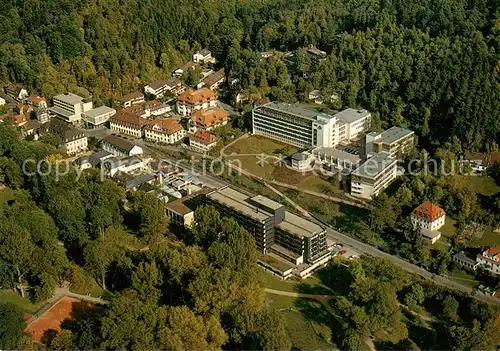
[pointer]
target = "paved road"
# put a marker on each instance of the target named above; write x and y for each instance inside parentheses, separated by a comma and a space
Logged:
(370, 250)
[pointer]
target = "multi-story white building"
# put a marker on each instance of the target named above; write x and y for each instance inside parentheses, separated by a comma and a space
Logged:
(98, 116)
(160, 88)
(395, 141)
(192, 100)
(202, 141)
(164, 130)
(203, 56)
(37, 101)
(293, 124)
(69, 107)
(131, 99)
(73, 141)
(428, 217)
(42, 115)
(213, 81)
(490, 259)
(128, 123)
(352, 123)
(120, 147)
(373, 176)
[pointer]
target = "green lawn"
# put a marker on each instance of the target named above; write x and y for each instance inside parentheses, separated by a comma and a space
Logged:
(449, 228)
(307, 322)
(258, 145)
(490, 238)
(253, 165)
(485, 185)
(6, 194)
(311, 285)
(463, 277)
(16, 299)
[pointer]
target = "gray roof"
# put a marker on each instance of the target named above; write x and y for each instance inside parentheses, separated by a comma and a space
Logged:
(61, 112)
(393, 134)
(101, 110)
(301, 156)
(69, 98)
(119, 143)
(375, 165)
(138, 181)
(266, 202)
(294, 109)
(237, 201)
(337, 154)
(462, 257)
(299, 226)
(351, 115)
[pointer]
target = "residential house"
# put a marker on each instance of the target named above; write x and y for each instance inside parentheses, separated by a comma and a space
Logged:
(164, 130)
(490, 259)
(32, 128)
(130, 165)
(160, 88)
(24, 109)
(316, 53)
(19, 120)
(464, 260)
(179, 213)
(213, 81)
(98, 116)
(2, 101)
(120, 147)
(184, 68)
(37, 101)
(73, 140)
(203, 56)
(428, 216)
(301, 160)
(202, 141)
(316, 96)
(97, 157)
(128, 123)
(70, 107)
(193, 100)
(42, 115)
(373, 176)
(480, 162)
(396, 141)
(131, 99)
(207, 119)
(16, 92)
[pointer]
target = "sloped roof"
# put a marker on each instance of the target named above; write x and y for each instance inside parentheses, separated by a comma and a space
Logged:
(118, 143)
(428, 212)
(168, 125)
(204, 137)
(209, 118)
(192, 96)
(125, 116)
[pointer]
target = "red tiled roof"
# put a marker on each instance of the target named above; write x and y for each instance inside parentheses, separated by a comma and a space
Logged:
(204, 137)
(196, 97)
(131, 96)
(488, 158)
(168, 125)
(428, 211)
(35, 100)
(493, 251)
(209, 118)
(128, 118)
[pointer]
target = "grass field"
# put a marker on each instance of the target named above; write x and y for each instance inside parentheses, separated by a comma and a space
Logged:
(485, 185)
(463, 277)
(449, 228)
(311, 285)
(258, 145)
(16, 299)
(490, 238)
(307, 322)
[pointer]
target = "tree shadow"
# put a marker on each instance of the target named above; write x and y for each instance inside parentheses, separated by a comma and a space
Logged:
(337, 278)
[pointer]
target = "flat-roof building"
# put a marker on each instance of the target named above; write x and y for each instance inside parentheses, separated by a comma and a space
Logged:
(373, 176)
(98, 116)
(70, 107)
(395, 141)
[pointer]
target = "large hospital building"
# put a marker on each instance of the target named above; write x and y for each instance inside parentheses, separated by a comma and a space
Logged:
(296, 125)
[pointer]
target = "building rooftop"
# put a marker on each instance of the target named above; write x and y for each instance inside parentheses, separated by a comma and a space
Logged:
(98, 111)
(167, 126)
(461, 256)
(266, 202)
(430, 234)
(338, 154)
(69, 98)
(214, 78)
(428, 211)
(192, 96)
(393, 134)
(299, 226)
(210, 117)
(204, 137)
(131, 96)
(295, 109)
(127, 117)
(350, 115)
(118, 143)
(178, 207)
(374, 166)
(237, 201)
(300, 156)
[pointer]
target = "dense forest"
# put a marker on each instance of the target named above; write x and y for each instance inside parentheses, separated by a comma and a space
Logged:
(430, 65)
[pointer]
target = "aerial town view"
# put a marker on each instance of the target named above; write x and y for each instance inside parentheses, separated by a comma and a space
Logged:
(250, 175)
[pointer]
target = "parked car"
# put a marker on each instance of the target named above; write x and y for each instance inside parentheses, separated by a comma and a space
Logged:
(342, 252)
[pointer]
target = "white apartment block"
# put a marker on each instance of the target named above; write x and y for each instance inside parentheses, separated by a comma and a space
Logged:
(98, 116)
(295, 125)
(395, 141)
(373, 176)
(352, 123)
(490, 259)
(203, 56)
(70, 107)
(164, 130)
(428, 217)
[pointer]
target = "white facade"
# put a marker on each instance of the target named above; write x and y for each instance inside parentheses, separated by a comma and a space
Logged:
(490, 259)
(203, 56)
(373, 176)
(70, 107)
(2, 101)
(200, 145)
(352, 123)
(157, 132)
(419, 222)
(42, 115)
(129, 129)
(185, 109)
(295, 125)
(76, 146)
(98, 116)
